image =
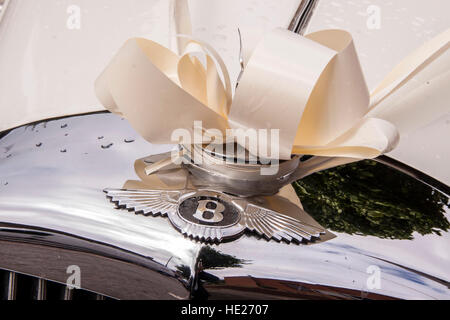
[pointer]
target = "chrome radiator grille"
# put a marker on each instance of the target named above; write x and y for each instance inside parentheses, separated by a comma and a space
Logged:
(16, 286)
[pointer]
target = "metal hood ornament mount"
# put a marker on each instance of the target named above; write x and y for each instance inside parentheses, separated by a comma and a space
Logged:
(326, 112)
(214, 205)
(214, 216)
(237, 203)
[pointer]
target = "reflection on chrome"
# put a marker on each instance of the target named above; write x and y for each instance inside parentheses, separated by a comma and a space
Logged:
(53, 213)
(368, 198)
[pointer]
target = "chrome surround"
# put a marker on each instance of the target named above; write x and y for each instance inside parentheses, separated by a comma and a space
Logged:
(52, 205)
(236, 176)
(3, 7)
(203, 232)
(47, 254)
(302, 16)
(250, 216)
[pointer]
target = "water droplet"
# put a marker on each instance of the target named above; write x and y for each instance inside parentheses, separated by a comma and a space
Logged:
(63, 150)
(129, 140)
(8, 148)
(6, 183)
(64, 126)
(66, 135)
(8, 156)
(219, 36)
(39, 145)
(101, 138)
(107, 146)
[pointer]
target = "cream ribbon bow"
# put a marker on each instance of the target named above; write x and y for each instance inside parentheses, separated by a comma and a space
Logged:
(310, 88)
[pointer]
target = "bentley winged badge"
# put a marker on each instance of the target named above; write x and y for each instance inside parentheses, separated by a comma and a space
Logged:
(213, 216)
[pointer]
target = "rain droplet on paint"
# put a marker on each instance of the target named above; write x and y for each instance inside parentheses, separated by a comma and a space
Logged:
(107, 146)
(129, 140)
(64, 126)
(63, 150)
(8, 148)
(39, 144)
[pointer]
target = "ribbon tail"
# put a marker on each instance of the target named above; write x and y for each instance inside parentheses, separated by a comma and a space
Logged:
(367, 140)
(412, 65)
(317, 164)
(416, 108)
(416, 92)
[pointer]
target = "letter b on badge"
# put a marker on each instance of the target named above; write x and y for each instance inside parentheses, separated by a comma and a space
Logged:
(209, 211)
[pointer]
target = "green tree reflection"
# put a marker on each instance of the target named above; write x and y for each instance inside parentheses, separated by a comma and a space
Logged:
(213, 259)
(369, 198)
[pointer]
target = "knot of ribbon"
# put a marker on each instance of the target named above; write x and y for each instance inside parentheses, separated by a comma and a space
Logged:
(310, 88)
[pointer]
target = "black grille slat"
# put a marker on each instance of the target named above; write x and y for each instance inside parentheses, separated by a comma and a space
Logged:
(15, 286)
(39, 290)
(25, 287)
(68, 294)
(55, 291)
(12, 286)
(8, 285)
(3, 287)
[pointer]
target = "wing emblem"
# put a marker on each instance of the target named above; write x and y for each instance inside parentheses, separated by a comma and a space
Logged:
(213, 216)
(146, 202)
(274, 225)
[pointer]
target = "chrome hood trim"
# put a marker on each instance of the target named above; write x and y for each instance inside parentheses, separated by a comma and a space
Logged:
(52, 177)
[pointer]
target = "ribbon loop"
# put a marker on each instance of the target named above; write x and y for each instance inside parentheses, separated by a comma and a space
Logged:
(311, 89)
(143, 82)
(277, 84)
